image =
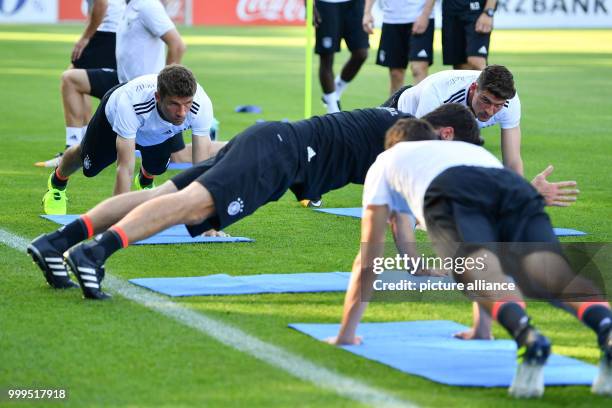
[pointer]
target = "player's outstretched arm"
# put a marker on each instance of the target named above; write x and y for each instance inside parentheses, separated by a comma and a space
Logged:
(511, 149)
(560, 193)
(373, 227)
(125, 164)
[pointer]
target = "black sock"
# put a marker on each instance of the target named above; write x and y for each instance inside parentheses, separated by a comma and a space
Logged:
(598, 318)
(515, 320)
(69, 235)
(144, 181)
(57, 183)
(105, 245)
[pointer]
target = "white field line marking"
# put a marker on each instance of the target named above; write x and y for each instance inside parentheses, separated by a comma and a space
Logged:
(233, 337)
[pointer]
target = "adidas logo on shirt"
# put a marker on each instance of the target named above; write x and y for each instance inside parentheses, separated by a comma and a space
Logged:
(482, 50)
(422, 54)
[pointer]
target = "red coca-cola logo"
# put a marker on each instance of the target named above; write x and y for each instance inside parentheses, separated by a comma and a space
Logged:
(271, 10)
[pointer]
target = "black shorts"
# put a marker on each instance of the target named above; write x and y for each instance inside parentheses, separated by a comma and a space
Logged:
(340, 20)
(394, 99)
(398, 45)
(99, 53)
(460, 40)
(101, 80)
(255, 167)
(99, 149)
(484, 206)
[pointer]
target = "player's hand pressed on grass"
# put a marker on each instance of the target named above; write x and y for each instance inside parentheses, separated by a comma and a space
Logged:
(559, 194)
(484, 24)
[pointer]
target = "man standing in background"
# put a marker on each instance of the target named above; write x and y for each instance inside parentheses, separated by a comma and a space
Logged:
(407, 36)
(144, 30)
(335, 20)
(466, 32)
(93, 53)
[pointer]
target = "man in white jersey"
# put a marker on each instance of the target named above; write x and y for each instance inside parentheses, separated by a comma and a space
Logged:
(143, 32)
(469, 204)
(490, 95)
(407, 36)
(148, 114)
(492, 98)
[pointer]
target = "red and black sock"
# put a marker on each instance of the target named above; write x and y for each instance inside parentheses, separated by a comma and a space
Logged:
(145, 178)
(512, 316)
(72, 233)
(598, 316)
(57, 181)
(110, 242)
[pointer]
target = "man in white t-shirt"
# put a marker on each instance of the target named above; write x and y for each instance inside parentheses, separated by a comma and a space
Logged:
(492, 98)
(148, 113)
(143, 34)
(407, 36)
(144, 30)
(470, 204)
(490, 94)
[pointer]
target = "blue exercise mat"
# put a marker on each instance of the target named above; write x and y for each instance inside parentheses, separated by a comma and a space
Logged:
(179, 166)
(428, 349)
(357, 211)
(171, 165)
(177, 234)
(223, 284)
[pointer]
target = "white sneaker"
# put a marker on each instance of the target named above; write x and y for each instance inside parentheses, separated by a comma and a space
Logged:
(54, 162)
(602, 385)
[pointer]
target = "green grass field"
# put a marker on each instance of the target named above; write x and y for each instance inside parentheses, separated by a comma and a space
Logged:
(119, 353)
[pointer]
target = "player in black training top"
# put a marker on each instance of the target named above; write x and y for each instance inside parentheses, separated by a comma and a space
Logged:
(309, 157)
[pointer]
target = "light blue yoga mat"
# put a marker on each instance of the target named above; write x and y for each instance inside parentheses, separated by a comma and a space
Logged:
(428, 349)
(171, 165)
(177, 234)
(223, 284)
(179, 166)
(356, 213)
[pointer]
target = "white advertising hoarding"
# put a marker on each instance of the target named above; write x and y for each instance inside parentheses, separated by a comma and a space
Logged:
(28, 11)
(553, 14)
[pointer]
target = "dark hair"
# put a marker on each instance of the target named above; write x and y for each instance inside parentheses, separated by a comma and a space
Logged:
(459, 118)
(409, 130)
(498, 80)
(176, 80)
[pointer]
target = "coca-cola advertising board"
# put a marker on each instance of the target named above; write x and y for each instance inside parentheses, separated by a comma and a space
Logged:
(249, 12)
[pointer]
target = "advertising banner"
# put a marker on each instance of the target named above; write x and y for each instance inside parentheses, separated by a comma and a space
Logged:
(28, 11)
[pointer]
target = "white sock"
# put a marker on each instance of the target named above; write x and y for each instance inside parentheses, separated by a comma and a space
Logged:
(331, 100)
(340, 85)
(73, 135)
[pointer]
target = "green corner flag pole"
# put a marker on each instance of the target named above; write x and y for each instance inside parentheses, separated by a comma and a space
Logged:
(308, 70)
